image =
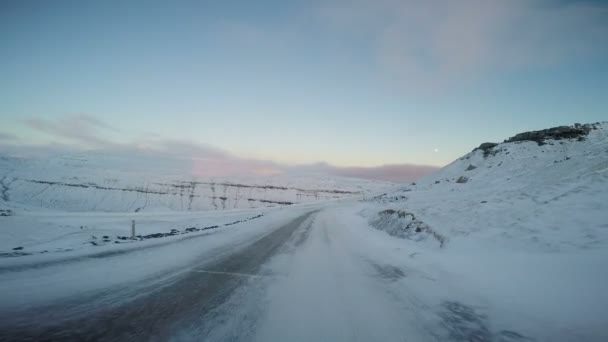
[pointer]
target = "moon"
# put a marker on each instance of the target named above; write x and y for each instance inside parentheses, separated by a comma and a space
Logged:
(436, 150)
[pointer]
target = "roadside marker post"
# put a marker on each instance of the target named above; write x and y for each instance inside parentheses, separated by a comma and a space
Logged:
(132, 229)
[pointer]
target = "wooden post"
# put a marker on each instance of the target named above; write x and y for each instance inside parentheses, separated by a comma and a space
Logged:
(132, 229)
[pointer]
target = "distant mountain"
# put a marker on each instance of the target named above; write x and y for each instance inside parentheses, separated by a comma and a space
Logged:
(122, 182)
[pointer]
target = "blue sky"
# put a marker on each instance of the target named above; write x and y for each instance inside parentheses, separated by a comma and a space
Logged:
(350, 83)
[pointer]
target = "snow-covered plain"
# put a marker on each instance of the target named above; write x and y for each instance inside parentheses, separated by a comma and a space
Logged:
(516, 251)
(82, 201)
(115, 182)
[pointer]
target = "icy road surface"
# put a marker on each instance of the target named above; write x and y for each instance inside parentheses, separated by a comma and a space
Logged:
(306, 274)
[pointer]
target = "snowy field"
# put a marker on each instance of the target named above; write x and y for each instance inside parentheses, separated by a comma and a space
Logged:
(44, 232)
(84, 203)
(115, 182)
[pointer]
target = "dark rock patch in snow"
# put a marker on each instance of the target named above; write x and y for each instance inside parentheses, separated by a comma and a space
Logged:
(4, 189)
(98, 187)
(385, 198)
(405, 225)
(14, 254)
(487, 148)
(462, 179)
(268, 201)
(577, 131)
(464, 323)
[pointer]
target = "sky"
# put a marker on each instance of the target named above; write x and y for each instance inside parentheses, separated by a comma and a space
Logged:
(368, 87)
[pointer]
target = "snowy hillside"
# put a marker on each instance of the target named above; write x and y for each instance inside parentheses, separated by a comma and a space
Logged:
(524, 194)
(132, 183)
(515, 234)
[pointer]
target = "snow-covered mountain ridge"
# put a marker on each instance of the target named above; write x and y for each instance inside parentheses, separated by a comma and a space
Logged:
(125, 183)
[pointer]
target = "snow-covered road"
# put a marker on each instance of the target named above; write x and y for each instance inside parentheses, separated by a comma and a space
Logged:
(308, 278)
(310, 273)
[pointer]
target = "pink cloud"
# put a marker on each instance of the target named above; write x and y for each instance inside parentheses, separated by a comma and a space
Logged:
(193, 158)
(234, 167)
(400, 173)
(397, 173)
(82, 129)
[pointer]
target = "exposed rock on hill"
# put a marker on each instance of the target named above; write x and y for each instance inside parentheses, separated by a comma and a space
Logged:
(577, 131)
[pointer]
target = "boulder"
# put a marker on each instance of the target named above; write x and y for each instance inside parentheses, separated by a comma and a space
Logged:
(462, 179)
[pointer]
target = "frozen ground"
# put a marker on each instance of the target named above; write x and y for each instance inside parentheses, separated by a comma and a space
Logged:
(516, 252)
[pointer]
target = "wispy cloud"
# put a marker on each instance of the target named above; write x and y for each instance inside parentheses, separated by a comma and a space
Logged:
(86, 132)
(443, 42)
(206, 160)
(7, 137)
(76, 128)
(397, 173)
(179, 148)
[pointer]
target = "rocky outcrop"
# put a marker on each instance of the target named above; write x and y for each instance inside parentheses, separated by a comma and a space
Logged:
(577, 131)
(487, 148)
(462, 179)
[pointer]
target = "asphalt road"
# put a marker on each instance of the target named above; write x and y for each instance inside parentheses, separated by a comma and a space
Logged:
(158, 314)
